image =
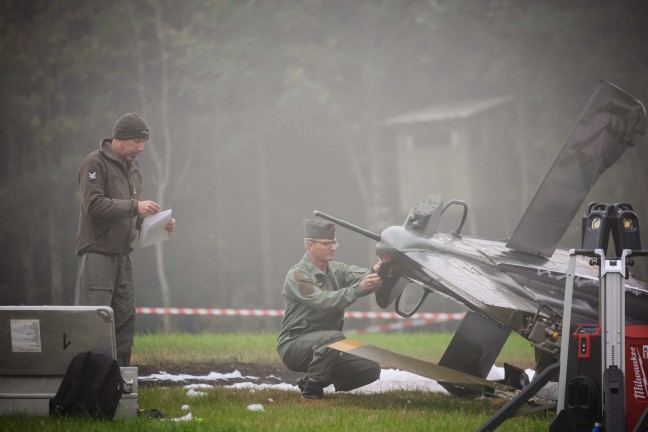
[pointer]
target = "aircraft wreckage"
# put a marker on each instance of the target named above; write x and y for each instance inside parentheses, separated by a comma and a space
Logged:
(515, 285)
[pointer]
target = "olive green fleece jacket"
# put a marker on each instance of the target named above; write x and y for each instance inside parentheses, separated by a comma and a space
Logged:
(316, 300)
(110, 189)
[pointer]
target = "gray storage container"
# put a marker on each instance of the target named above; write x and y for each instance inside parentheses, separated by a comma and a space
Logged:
(37, 344)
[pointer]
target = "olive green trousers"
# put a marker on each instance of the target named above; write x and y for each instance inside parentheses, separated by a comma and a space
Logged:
(309, 353)
(107, 280)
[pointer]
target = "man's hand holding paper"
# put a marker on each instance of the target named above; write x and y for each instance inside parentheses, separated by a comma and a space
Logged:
(157, 228)
(171, 225)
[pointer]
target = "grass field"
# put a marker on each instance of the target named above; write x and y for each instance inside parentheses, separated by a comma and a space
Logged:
(225, 409)
(261, 348)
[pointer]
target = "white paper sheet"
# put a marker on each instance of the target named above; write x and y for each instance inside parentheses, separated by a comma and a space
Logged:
(153, 228)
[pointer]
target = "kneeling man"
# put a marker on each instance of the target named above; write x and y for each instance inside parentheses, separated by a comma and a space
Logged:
(316, 292)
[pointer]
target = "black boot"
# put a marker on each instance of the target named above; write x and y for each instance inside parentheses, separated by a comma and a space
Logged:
(310, 389)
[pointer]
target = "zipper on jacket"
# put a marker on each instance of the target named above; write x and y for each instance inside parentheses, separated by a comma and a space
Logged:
(132, 193)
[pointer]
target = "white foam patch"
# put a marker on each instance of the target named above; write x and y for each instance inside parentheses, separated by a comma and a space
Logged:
(253, 386)
(194, 390)
(199, 386)
(390, 380)
(394, 380)
(212, 376)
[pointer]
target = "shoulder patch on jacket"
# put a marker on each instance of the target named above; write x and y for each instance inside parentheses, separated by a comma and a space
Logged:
(92, 175)
(306, 287)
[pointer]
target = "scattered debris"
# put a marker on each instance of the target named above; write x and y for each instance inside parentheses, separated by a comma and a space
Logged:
(255, 407)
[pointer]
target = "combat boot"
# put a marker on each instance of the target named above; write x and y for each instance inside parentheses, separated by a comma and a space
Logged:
(310, 389)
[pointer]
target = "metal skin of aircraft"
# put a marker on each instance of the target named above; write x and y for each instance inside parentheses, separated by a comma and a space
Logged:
(515, 285)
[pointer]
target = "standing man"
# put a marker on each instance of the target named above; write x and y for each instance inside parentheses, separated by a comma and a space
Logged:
(316, 292)
(111, 212)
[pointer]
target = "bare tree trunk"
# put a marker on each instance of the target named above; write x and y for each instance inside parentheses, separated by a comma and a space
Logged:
(56, 275)
(54, 237)
(31, 287)
(264, 224)
(163, 174)
(165, 290)
(377, 212)
(161, 150)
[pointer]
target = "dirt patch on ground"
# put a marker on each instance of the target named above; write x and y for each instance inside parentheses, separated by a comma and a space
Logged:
(251, 372)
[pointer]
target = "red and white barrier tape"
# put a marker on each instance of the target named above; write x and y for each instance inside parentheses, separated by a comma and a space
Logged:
(405, 324)
(216, 312)
(436, 317)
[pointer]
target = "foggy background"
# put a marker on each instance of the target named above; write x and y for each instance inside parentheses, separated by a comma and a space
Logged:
(263, 111)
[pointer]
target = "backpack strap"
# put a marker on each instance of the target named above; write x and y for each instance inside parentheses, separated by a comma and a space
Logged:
(105, 365)
(98, 404)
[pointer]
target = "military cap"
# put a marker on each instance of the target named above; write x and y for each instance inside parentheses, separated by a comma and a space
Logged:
(319, 229)
(130, 126)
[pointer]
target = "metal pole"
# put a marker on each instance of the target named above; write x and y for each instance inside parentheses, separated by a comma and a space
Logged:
(566, 330)
(612, 309)
(612, 317)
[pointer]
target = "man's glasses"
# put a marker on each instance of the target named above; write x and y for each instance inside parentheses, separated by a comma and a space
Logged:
(327, 244)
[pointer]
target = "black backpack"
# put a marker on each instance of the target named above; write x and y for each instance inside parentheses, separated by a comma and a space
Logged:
(92, 387)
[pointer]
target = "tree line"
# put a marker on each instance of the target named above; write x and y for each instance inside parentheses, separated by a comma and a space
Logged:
(263, 111)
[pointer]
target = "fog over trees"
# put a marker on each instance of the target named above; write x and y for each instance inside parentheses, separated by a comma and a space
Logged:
(263, 111)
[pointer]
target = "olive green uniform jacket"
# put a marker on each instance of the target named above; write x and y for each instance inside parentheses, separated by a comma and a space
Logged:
(316, 300)
(108, 224)
(110, 189)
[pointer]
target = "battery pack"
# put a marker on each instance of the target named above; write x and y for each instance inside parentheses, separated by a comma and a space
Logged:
(636, 373)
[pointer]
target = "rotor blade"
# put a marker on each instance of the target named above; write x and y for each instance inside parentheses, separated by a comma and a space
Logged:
(604, 130)
(418, 367)
(348, 225)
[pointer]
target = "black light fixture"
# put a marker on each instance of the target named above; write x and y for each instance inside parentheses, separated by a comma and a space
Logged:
(619, 219)
(625, 230)
(595, 227)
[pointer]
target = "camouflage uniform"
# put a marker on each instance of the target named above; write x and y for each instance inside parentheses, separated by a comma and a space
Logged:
(314, 316)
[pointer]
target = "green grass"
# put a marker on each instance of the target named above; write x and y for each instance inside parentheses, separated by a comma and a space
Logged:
(154, 349)
(224, 409)
(159, 348)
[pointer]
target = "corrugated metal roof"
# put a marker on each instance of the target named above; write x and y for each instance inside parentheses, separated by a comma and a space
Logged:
(444, 112)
